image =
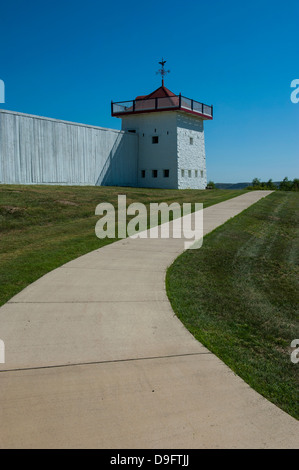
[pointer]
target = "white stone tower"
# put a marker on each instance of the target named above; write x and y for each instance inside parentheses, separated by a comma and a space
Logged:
(171, 150)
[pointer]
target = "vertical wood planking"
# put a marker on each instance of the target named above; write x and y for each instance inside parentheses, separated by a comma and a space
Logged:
(38, 150)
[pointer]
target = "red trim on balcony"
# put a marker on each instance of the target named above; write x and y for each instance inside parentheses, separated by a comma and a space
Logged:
(145, 111)
(184, 110)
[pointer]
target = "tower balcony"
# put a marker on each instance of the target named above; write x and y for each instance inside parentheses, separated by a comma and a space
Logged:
(158, 104)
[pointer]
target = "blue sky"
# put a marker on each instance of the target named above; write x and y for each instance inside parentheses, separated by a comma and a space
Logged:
(68, 59)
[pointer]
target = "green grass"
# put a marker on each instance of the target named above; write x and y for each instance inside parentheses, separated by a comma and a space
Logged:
(43, 227)
(238, 295)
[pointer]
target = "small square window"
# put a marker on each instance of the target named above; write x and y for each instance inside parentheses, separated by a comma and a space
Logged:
(155, 139)
(201, 173)
(196, 173)
(166, 173)
(142, 173)
(154, 173)
(182, 173)
(191, 140)
(189, 173)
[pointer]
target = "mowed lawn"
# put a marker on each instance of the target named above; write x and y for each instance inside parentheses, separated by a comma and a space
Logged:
(43, 227)
(239, 295)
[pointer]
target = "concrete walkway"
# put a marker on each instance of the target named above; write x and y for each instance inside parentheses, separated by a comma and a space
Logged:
(96, 358)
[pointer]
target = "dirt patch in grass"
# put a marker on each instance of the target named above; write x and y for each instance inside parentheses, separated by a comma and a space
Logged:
(67, 203)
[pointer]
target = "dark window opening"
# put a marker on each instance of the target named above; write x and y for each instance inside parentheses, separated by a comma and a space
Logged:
(166, 173)
(155, 173)
(142, 173)
(133, 131)
(155, 139)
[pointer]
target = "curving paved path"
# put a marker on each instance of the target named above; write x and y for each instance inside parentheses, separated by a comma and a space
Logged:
(96, 358)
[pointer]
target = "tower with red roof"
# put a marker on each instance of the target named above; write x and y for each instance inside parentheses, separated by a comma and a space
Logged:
(171, 150)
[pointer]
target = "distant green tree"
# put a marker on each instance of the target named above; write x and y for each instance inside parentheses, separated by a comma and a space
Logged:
(285, 185)
(271, 185)
(256, 182)
(295, 184)
(211, 185)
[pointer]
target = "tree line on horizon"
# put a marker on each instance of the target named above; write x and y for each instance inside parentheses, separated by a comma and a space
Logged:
(284, 185)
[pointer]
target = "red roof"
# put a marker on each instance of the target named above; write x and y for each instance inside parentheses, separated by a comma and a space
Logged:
(159, 100)
(160, 92)
(167, 99)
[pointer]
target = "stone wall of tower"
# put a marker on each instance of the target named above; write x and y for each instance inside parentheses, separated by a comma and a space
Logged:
(191, 152)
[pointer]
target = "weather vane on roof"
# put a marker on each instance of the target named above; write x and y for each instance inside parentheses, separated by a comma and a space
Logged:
(162, 71)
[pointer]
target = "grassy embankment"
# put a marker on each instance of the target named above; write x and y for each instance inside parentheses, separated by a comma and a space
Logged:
(238, 295)
(43, 227)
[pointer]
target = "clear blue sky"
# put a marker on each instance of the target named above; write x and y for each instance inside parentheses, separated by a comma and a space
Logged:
(68, 59)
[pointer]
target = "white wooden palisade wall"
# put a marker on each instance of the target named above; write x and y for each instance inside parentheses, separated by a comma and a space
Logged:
(38, 150)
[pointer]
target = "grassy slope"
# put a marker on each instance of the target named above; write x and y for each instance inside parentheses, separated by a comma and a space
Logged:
(43, 227)
(238, 295)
